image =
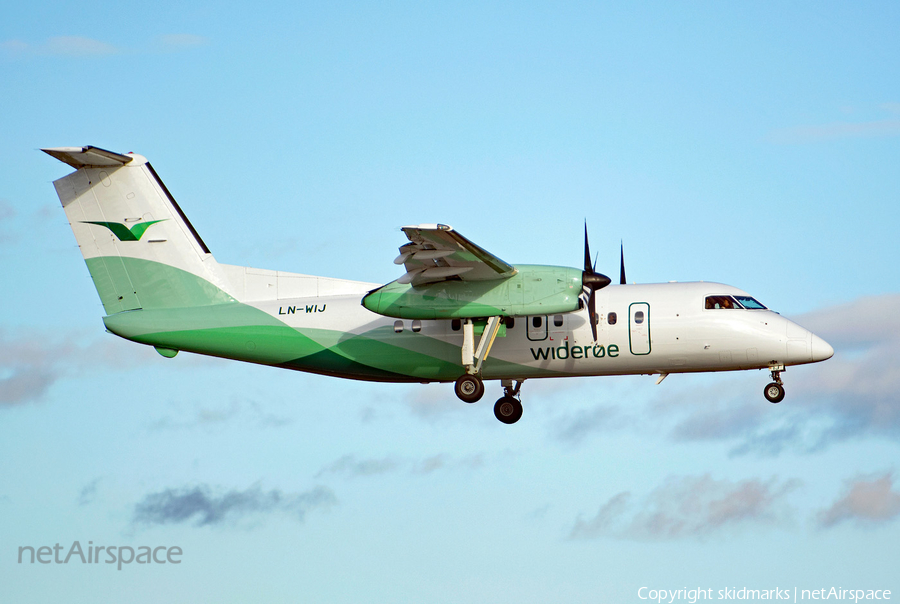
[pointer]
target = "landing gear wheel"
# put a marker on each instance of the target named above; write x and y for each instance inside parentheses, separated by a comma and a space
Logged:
(508, 410)
(469, 388)
(774, 392)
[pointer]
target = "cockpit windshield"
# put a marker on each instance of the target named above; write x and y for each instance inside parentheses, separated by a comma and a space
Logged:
(733, 302)
(750, 303)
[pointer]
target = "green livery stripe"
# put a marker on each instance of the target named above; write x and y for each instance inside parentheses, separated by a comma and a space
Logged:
(128, 283)
(217, 325)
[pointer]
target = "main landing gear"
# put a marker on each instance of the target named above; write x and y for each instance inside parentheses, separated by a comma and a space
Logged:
(774, 392)
(470, 388)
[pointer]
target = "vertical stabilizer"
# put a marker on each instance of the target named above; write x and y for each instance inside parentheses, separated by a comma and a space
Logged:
(140, 248)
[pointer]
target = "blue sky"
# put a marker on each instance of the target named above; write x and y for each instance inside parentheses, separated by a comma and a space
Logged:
(755, 145)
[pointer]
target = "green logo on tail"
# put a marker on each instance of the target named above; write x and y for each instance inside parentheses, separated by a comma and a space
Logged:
(123, 232)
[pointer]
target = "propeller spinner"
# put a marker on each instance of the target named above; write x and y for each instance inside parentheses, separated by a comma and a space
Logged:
(591, 281)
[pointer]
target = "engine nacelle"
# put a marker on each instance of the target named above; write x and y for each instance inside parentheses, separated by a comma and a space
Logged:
(533, 290)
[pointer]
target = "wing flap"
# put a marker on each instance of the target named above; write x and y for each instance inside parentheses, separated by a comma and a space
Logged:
(436, 252)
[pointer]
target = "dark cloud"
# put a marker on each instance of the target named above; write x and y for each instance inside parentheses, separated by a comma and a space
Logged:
(576, 426)
(200, 506)
(88, 492)
(866, 501)
(431, 464)
(33, 360)
(689, 507)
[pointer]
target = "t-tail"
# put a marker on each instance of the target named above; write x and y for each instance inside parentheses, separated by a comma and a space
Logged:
(140, 248)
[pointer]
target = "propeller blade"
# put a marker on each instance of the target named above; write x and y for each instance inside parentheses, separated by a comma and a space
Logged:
(591, 281)
(592, 314)
(587, 252)
(622, 264)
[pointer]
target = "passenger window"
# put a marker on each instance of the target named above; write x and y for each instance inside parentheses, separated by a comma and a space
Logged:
(715, 302)
(639, 317)
(510, 322)
(417, 325)
(536, 322)
(455, 324)
(398, 326)
(611, 318)
(557, 320)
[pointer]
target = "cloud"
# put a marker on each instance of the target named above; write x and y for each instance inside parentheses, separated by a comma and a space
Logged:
(202, 507)
(834, 131)
(32, 361)
(80, 46)
(575, 427)
(7, 214)
(868, 502)
(862, 323)
(839, 130)
(854, 395)
(66, 46)
(77, 46)
(349, 465)
(88, 492)
(7, 211)
(249, 413)
(693, 507)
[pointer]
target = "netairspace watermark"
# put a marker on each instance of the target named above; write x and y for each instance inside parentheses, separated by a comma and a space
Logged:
(115, 554)
(692, 596)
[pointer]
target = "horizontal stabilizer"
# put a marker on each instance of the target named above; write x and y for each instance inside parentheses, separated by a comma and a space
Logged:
(88, 157)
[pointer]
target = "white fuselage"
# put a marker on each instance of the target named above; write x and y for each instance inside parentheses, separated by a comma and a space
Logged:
(653, 328)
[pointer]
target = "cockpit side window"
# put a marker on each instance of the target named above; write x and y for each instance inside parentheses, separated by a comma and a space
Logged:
(715, 302)
(750, 303)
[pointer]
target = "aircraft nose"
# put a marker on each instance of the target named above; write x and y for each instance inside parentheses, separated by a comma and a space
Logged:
(821, 350)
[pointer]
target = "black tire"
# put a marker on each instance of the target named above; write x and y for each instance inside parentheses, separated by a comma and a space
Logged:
(469, 388)
(508, 410)
(774, 392)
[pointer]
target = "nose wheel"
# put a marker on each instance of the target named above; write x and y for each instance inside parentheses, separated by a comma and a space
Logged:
(774, 392)
(509, 408)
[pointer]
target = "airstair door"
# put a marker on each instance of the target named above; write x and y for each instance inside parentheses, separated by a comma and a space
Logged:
(639, 328)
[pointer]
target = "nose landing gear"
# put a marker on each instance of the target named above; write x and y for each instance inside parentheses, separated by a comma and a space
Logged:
(509, 408)
(774, 392)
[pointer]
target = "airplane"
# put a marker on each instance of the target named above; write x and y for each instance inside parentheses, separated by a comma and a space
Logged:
(458, 314)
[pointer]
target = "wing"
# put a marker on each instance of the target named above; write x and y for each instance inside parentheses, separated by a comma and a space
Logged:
(436, 252)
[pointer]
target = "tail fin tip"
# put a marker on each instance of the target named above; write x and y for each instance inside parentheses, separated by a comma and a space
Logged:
(88, 157)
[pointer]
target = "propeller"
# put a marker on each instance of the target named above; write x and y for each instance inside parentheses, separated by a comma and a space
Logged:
(591, 281)
(622, 263)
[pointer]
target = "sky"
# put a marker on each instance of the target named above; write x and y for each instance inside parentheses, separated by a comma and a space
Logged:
(752, 144)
